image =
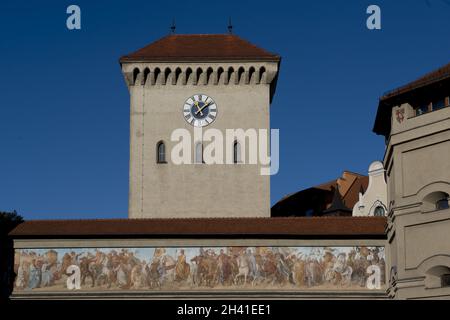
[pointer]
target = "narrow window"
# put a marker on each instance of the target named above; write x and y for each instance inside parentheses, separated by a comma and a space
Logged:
(161, 152)
(237, 152)
(135, 75)
(219, 74)
(262, 74)
(199, 153)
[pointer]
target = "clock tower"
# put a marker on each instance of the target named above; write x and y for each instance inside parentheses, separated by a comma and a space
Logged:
(191, 84)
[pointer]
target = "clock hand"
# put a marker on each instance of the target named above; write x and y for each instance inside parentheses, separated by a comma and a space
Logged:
(198, 108)
(204, 106)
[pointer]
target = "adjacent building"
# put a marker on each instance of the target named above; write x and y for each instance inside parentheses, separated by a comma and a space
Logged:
(415, 122)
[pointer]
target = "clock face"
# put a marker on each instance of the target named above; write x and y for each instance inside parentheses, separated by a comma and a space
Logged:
(200, 110)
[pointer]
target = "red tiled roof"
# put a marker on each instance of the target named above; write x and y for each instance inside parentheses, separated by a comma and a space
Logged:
(292, 226)
(200, 47)
(429, 78)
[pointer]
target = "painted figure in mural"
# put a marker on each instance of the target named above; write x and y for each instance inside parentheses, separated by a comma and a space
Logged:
(153, 274)
(21, 275)
(225, 268)
(135, 277)
(34, 277)
(284, 271)
(359, 263)
(253, 272)
(182, 269)
(122, 275)
(87, 271)
(47, 276)
(313, 270)
(298, 272)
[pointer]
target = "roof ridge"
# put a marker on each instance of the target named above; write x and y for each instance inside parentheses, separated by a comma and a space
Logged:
(421, 81)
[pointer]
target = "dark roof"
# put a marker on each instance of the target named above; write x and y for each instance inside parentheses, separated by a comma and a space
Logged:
(434, 80)
(298, 226)
(431, 77)
(337, 205)
(200, 47)
(319, 198)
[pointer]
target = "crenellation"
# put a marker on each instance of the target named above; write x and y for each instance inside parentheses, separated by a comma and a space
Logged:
(205, 74)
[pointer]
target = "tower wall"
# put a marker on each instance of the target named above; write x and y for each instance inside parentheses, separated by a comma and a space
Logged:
(157, 96)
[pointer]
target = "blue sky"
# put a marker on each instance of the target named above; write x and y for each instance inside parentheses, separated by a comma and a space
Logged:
(64, 106)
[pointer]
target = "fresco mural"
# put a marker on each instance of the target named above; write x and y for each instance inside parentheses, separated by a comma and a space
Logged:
(200, 268)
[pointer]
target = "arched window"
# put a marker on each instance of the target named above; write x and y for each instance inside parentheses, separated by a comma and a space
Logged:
(240, 75)
(189, 76)
(437, 200)
(177, 76)
(219, 75)
(146, 73)
(437, 277)
(230, 75)
(157, 75)
(379, 212)
(251, 75)
(237, 152)
(262, 74)
(199, 152)
(209, 72)
(135, 75)
(198, 75)
(161, 152)
(167, 73)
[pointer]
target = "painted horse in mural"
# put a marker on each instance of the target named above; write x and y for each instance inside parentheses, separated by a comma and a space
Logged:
(243, 268)
(338, 272)
(206, 270)
(267, 271)
(103, 268)
(87, 271)
(226, 269)
(359, 264)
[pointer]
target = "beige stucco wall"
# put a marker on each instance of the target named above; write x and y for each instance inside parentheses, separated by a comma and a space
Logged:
(418, 164)
(196, 190)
